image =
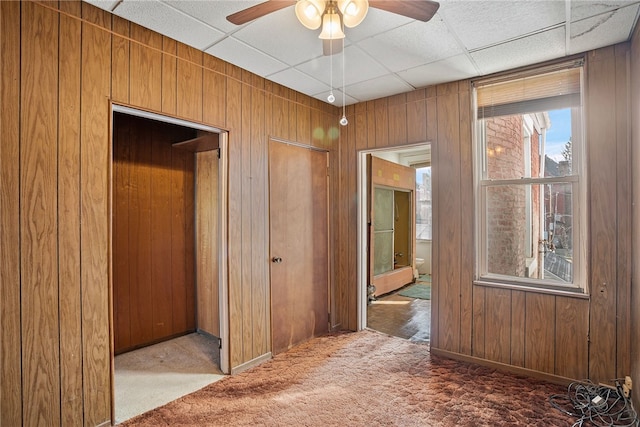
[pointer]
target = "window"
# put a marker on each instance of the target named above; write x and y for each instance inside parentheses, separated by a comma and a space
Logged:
(530, 223)
(423, 203)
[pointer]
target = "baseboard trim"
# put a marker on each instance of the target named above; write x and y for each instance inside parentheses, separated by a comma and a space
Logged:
(556, 379)
(251, 363)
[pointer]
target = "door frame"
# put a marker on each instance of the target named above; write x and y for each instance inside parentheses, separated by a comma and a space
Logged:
(223, 190)
(362, 247)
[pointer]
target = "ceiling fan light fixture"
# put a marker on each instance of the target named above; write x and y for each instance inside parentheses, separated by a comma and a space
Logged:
(331, 27)
(309, 13)
(353, 11)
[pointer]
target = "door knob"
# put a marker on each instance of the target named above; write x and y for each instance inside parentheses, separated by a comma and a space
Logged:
(276, 259)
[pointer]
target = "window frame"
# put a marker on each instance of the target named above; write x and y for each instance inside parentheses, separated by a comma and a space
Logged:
(577, 180)
(418, 166)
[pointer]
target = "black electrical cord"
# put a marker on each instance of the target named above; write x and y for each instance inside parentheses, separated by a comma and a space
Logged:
(597, 405)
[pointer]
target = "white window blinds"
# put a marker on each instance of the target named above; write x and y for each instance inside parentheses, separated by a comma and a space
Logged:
(552, 90)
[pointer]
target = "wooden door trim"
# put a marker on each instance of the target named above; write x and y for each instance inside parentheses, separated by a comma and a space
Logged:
(297, 144)
(362, 258)
(119, 107)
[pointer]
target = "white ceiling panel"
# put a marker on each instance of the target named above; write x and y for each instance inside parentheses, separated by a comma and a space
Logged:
(372, 89)
(388, 53)
(299, 81)
(517, 53)
(485, 23)
(288, 39)
(581, 9)
(169, 21)
(412, 45)
(337, 93)
(358, 67)
(376, 22)
(458, 68)
(104, 4)
(602, 30)
(213, 12)
(245, 56)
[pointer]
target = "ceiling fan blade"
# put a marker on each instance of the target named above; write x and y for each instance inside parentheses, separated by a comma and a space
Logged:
(422, 10)
(331, 47)
(259, 10)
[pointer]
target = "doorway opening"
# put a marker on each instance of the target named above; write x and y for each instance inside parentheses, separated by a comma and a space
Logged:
(404, 309)
(168, 271)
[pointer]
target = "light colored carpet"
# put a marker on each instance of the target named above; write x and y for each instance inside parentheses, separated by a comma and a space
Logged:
(364, 379)
(155, 375)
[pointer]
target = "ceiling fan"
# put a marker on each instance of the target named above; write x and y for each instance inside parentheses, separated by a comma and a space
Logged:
(331, 15)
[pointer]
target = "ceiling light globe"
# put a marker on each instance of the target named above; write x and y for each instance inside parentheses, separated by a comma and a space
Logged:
(331, 98)
(331, 27)
(353, 11)
(344, 121)
(309, 13)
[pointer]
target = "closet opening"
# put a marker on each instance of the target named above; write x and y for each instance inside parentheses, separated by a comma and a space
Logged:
(168, 274)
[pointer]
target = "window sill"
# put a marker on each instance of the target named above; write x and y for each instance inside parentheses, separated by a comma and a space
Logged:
(573, 292)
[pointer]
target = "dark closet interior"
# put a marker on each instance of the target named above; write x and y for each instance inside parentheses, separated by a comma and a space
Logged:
(154, 291)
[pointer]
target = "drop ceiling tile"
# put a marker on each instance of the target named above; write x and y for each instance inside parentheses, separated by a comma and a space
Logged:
(451, 69)
(166, 20)
(213, 12)
(358, 67)
(484, 23)
(299, 81)
(244, 56)
(282, 36)
(378, 88)
(377, 21)
(412, 45)
(104, 4)
(603, 30)
(581, 9)
(322, 96)
(524, 51)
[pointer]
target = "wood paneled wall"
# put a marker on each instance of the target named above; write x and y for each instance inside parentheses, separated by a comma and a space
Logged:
(635, 226)
(560, 336)
(609, 145)
(63, 63)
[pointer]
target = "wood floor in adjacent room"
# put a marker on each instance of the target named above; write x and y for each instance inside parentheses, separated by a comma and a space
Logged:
(401, 316)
